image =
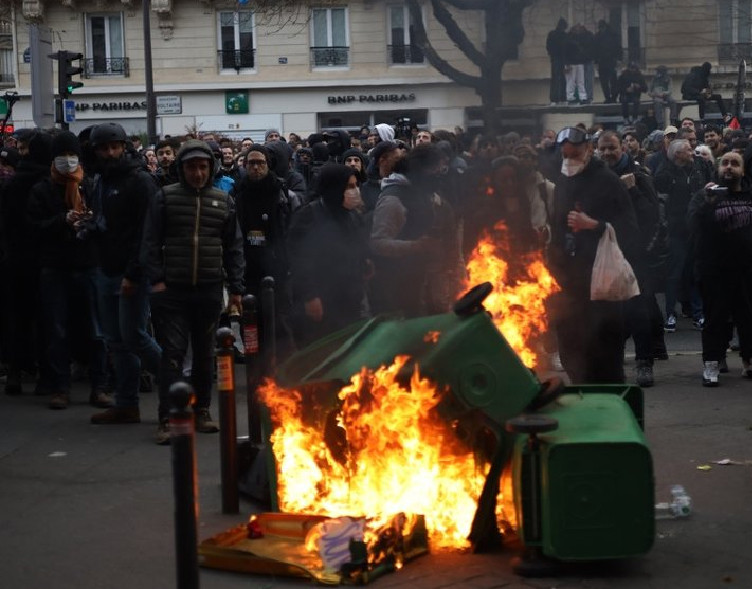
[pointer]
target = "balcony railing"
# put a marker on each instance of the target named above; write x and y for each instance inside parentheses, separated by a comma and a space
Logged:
(100, 66)
(236, 59)
(399, 54)
(731, 53)
(330, 56)
(7, 79)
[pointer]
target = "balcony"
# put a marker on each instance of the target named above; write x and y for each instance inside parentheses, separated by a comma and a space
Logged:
(732, 53)
(7, 80)
(99, 66)
(236, 59)
(404, 54)
(330, 56)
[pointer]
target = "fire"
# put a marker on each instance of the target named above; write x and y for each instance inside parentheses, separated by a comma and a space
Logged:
(517, 300)
(392, 454)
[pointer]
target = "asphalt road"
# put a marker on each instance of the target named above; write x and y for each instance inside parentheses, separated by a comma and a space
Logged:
(85, 506)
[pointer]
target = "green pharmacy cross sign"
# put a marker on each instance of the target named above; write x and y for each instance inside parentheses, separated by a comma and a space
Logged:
(236, 103)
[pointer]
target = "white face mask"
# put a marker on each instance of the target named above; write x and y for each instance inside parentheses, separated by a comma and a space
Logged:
(66, 164)
(571, 167)
(352, 199)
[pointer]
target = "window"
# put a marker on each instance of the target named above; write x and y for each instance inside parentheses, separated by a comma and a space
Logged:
(236, 40)
(628, 18)
(734, 30)
(6, 54)
(400, 30)
(330, 46)
(105, 46)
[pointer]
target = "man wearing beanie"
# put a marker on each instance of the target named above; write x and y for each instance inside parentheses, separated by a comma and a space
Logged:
(271, 135)
(21, 272)
(383, 159)
(191, 242)
(122, 194)
(59, 211)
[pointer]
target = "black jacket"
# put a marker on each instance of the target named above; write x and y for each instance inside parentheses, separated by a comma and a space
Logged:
(123, 192)
(679, 184)
(600, 193)
(191, 235)
(58, 245)
(263, 211)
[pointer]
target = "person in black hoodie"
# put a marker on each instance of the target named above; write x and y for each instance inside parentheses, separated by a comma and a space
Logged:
(327, 247)
(295, 184)
(58, 210)
(697, 86)
(264, 211)
(355, 159)
(122, 194)
(588, 195)
(21, 267)
(720, 219)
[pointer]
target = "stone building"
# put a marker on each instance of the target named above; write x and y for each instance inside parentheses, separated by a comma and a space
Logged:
(220, 66)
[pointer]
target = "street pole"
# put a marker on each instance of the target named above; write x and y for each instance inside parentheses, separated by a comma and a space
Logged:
(151, 103)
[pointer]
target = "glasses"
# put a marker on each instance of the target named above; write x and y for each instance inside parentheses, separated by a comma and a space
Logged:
(571, 134)
(259, 163)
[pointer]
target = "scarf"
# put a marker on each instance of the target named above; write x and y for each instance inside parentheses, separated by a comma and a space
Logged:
(72, 182)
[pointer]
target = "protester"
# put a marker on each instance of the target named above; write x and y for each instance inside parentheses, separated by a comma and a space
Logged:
(191, 241)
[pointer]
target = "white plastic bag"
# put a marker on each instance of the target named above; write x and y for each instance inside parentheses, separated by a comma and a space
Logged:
(613, 278)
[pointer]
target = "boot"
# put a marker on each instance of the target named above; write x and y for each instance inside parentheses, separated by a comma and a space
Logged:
(644, 372)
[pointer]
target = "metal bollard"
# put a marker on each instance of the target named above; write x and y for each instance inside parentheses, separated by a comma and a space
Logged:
(270, 326)
(252, 367)
(185, 484)
(227, 419)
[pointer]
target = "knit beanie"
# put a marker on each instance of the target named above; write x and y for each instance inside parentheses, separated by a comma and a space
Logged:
(269, 132)
(40, 148)
(65, 142)
(386, 133)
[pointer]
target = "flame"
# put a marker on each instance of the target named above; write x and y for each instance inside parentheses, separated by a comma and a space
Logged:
(517, 303)
(396, 456)
(431, 337)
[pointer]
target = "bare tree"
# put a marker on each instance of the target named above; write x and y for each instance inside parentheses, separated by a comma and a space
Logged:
(504, 33)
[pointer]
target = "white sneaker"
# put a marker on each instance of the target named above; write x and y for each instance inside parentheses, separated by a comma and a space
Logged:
(554, 361)
(710, 374)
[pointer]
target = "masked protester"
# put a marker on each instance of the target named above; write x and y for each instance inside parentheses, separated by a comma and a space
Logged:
(328, 256)
(588, 196)
(59, 210)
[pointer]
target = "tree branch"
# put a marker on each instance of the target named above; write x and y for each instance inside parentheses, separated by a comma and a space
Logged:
(455, 33)
(443, 66)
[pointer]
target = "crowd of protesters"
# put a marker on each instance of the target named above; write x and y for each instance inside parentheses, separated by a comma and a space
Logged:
(123, 258)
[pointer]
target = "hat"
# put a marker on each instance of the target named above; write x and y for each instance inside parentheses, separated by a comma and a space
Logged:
(10, 156)
(383, 147)
(655, 136)
(195, 154)
(670, 130)
(386, 133)
(269, 132)
(65, 142)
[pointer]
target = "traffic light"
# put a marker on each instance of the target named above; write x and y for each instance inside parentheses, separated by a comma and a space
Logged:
(65, 72)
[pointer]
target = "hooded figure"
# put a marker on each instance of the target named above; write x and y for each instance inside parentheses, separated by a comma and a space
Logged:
(349, 156)
(294, 182)
(386, 132)
(328, 257)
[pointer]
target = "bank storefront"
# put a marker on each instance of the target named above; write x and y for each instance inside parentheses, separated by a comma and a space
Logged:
(250, 112)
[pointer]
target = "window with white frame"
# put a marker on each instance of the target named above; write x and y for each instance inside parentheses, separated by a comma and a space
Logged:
(330, 45)
(6, 54)
(627, 18)
(105, 47)
(734, 30)
(236, 40)
(401, 49)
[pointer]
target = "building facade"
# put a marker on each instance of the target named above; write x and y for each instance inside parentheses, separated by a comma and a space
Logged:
(219, 65)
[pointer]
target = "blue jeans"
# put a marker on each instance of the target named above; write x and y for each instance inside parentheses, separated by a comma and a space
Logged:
(124, 321)
(60, 290)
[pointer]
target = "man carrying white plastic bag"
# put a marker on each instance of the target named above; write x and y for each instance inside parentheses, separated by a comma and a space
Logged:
(588, 197)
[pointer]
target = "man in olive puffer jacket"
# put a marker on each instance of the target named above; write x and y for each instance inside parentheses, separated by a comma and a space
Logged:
(191, 242)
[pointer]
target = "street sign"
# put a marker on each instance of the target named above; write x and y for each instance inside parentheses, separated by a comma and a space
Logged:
(236, 103)
(69, 111)
(169, 105)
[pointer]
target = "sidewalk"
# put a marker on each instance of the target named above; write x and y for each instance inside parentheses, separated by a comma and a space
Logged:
(85, 506)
